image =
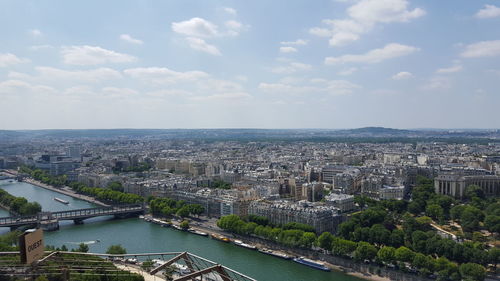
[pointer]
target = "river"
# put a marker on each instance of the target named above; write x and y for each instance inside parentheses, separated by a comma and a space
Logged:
(138, 236)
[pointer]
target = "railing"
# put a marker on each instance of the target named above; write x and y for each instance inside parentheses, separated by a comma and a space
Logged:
(71, 214)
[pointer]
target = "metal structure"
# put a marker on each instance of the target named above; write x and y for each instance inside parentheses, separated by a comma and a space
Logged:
(75, 215)
(176, 266)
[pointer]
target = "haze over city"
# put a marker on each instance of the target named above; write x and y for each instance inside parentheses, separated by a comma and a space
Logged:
(249, 64)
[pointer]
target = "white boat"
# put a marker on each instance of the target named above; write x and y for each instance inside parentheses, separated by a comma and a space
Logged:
(61, 200)
(311, 263)
(275, 253)
(197, 232)
(244, 245)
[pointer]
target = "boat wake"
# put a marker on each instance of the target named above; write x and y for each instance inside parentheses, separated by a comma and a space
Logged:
(84, 242)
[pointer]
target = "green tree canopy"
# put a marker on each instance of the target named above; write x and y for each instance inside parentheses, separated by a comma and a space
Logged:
(116, 250)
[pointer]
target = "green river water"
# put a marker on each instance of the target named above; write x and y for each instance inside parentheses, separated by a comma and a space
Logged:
(138, 236)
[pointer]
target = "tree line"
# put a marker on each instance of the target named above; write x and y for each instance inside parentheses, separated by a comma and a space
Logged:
(42, 176)
(106, 194)
(166, 207)
(19, 205)
(291, 234)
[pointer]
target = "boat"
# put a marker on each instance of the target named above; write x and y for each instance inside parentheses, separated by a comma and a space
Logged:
(61, 200)
(220, 237)
(244, 245)
(311, 263)
(275, 253)
(197, 232)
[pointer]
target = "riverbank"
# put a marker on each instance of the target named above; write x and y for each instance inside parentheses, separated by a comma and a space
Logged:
(66, 191)
(213, 229)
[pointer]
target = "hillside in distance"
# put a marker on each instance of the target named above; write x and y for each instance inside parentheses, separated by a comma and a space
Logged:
(366, 133)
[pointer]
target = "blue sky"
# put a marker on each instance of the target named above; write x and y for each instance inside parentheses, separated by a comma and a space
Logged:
(250, 64)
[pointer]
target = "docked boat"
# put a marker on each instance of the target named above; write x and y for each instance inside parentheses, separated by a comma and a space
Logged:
(220, 237)
(61, 200)
(311, 263)
(197, 232)
(244, 245)
(275, 253)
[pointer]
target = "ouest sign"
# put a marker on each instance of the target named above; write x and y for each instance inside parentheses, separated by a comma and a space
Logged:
(31, 245)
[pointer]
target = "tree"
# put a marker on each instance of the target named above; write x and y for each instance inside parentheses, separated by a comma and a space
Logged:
(492, 223)
(183, 212)
(116, 186)
(419, 239)
(184, 224)
(379, 234)
(307, 240)
(474, 191)
(494, 256)
(387, 254)
(472, 271)
(116, 250)
(83, 248)
(147, 265)
(420, 261)
(343, 248)
(434, 211)
(64, 248)
(404, 254)
(397, 238)
(456, 212)
(470, 218)
(365, 251)
(325, 240)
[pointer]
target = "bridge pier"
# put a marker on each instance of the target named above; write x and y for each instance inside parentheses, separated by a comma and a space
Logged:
(49, 225)
(78, 221)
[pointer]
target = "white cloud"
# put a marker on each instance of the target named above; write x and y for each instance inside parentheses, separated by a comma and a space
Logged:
(438, 83)
(389, 51)
(61, 75)
(489, 11)
(451, 69)
(230, 11)
(291, 68)
(200, 45)
(331, 87)
(129, 39)
(159, 75)
(169, 93)
(288, 50)
(40, 47)
(92, 55)
(234, 27)
(402, 75)
(348, 71)
(35, 33)
(9, 59)
(482, 49)
(223, 96)
(363, 16)
(17, 87)
(383, 11)
(196, 27)
(296, 42)
(118, 92)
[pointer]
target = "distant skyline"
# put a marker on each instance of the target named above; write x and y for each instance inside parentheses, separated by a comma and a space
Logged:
(250, 64)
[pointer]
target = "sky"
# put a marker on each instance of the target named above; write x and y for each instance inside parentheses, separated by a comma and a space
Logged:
(249, 64)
